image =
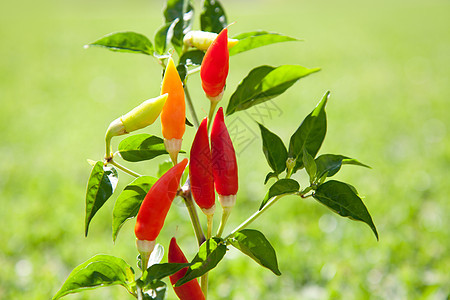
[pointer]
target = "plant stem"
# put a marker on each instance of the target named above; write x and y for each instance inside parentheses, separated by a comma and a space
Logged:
(124, 169)
(254, 216)
(194, 218)
(204, 284)
(193, 71)
(191, 106)
(212, 108)
(225, 214)
(209, 219)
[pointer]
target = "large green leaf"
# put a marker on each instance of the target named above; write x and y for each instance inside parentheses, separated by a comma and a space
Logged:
(164, 35)
(100, 270)
(141, 147)
(254, 244)
(264, 83)
(255, 39)
(101, 185)
(184, 12)
(274, 150)
(160, 271)
(126, 41)
(213, 18)
(310, 134)
(310, 165)
(283, 186)
(209, 255)
(129, 201)
(330, 164)
(341, 199)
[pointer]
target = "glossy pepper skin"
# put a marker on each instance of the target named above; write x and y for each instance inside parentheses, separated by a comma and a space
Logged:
(156, 204)
(173, 114)
(190, 290)
(201, 170)
(214, 70)
(224, 158)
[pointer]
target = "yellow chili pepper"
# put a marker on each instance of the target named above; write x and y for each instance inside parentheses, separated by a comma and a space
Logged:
(139, 117)
(203, 39)
(173, 114)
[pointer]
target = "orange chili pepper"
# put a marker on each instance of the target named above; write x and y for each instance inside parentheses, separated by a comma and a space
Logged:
(173, 114)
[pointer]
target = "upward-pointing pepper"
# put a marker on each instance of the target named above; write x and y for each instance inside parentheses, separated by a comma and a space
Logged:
(190, 290)
(154, 209)
(214, 69)
(173, 114)
(224, 166)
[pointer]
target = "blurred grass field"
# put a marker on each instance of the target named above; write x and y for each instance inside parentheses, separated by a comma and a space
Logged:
(387, 66)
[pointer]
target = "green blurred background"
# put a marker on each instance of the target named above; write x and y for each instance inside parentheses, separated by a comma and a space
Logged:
(387, 66)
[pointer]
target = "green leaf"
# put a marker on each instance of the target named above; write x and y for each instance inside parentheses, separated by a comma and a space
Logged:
(141, 147)
(270, 175)
(101, 185)
(255, 39)
(310, 165)
(182, 71)
(310, 134)
(209, 255)
(129, 201)
(192, 58)
(283, 186)
(331, 164)
(164, 167)
(264, 83)
(160, 271)
(274, 150)
(254, 244)
(153, 290)
(184, 11)
(213, 18)
(100, 270)
(341, 199)
(126, 41)
(164, 35)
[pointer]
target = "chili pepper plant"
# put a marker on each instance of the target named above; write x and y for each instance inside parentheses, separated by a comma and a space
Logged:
(210, 166)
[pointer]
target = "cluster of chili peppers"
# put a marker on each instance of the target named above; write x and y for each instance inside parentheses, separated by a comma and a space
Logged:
(212, 165)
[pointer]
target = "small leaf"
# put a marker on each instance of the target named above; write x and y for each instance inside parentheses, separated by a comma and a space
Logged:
(192, 58)
(160, 271)
(153, 290)
(129, 201)
(331, 164)
(254, 244)
(207, 258)
(164, 35)
(141, 147)
(283, 186)
(310, 165)
(264, 83)
(274, 150)
(213, 18)
(255, 39)
(270, 175)
(164, 167)
(126, 41)
(310, 134)
(184, 11)
(100, 270)
(101, 185)
(341, 199)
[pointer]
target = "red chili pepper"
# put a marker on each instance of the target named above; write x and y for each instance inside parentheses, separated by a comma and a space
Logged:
(154, 209)
(190, 290)
(224, 158)
(214, 70)
(201, 170)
